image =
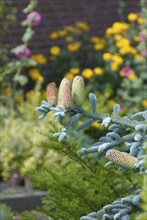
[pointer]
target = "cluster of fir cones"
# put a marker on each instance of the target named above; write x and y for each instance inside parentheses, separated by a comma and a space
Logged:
(72, 93)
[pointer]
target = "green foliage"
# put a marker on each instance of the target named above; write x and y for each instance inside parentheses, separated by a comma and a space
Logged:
(19, 137)
(32, 215)
(71, 197)
(79, 186)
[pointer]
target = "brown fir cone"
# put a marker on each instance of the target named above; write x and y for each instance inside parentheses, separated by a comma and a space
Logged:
(78, 90)
(122, 159)
(52, 94)
(64, 95)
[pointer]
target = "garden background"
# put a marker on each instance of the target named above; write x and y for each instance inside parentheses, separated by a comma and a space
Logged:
(44, 41)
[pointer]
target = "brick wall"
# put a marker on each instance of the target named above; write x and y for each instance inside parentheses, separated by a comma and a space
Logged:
(99, 14)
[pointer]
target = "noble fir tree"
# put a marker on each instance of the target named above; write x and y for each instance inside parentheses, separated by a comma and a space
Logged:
(83, 185)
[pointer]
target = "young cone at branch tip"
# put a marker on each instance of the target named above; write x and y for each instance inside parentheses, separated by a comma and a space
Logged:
(52, 94)
(78, 90)
(64, 95)
(121, 158)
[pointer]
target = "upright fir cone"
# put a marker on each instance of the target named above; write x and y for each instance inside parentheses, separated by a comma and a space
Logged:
(64, 95)
(78, 90)
(52, 94)
(122, 159)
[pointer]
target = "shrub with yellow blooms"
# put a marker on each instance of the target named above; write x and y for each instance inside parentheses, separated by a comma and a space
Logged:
(19, 148)
(102, 60)
(55, 50)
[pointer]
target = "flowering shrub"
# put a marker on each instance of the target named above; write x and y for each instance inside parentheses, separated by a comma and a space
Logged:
(114, 58)
(14, 69)
(15, 102)
(20, 149)
(22, 51)
(16, 66)
(34, 18)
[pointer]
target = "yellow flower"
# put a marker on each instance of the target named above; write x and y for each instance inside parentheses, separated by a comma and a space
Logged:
(74, 47)
(69, 38)
(82, 25)
(107, 56)
(74, 70)
(138, 56)
(132, 76)
(119, 27)
(144, 102)
(109, 31)
(136, 38)
(53, 35)
(94, 39)
(117, 37)
(87, 73)
(36, 75)
(133, 51)
(122, 42)
(98, 46)
(126, 26)
(39, 58)
(71, 29)
(62, 33)
(55, 50)
(117, 59)
(125, 50)
(69, 75)
(98, 71)
(140, 20)
(114, 66)
(132, 17)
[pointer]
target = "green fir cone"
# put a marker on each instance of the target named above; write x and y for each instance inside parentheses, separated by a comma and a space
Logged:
(121, 158)
(78, 90)
(66, 119)
(64, 95)
(52, 94)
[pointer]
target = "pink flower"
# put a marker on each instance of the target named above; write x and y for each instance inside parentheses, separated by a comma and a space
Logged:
(34, 17)
(143, 36)
(144, 53)
(127, 71)
(22, 51)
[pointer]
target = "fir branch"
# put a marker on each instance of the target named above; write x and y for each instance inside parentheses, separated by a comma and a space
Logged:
(71, 189)
(119, 209)
(119, 121)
